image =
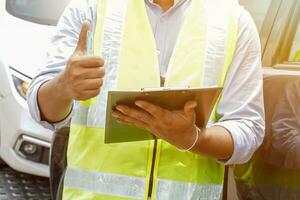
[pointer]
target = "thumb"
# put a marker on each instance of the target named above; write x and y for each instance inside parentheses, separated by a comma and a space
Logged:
(189, 108)
(81, 44)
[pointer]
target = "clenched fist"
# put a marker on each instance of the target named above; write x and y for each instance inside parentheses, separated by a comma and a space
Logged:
(82, 77)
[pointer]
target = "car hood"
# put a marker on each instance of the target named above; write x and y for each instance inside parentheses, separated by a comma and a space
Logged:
(24, 44)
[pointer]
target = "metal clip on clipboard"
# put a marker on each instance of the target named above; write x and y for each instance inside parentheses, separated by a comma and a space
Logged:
(165, 88)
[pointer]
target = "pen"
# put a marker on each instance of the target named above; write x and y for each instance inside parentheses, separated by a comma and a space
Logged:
(89, 51)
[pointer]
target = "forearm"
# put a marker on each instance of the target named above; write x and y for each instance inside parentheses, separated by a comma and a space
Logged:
(216, 142)
(53, 102)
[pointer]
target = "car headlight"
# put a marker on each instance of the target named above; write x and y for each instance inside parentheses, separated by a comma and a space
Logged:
(21, 86)
(21, 82)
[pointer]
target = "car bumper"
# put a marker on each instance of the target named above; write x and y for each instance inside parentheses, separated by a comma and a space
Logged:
(18, 128)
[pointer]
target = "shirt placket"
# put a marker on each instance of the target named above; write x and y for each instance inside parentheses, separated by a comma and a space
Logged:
(161, 37)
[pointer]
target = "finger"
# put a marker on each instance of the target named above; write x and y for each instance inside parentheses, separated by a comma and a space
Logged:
(92, 61)
(85, 95)
(135, 114)
(92, 73)
(156, 111)
(81, 44)
(87, 61)
(189, 109)
(120, 121)
(129, 120)
(90, 84)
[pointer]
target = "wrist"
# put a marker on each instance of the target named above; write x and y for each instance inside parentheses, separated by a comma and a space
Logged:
(192, 139)
(59, 106)
(62, 87)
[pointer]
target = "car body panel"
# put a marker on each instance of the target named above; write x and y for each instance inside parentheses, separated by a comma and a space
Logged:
(15, 120)
(25, 49)
(23, 40)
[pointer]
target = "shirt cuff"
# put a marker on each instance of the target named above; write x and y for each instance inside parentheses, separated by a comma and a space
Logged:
(32, 100)
(242, 151)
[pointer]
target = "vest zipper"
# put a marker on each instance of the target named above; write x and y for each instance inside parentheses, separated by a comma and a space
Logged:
(152, 170)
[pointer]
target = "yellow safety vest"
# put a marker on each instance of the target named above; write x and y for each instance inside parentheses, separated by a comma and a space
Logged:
(260, 180)
(201, 58)
(296, 57)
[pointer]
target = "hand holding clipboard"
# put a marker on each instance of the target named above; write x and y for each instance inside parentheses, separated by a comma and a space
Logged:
(167, 98)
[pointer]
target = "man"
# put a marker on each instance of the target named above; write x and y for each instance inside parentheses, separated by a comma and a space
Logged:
(150, 44)
(274, 171)
(286, 128)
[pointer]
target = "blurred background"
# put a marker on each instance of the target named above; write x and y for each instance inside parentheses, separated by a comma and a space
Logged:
(29, 154)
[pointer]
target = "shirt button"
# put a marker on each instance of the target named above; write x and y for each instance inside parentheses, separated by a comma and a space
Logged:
(162, 19)
(158, 52)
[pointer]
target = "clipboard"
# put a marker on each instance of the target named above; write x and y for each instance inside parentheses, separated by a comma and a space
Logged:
(168, 98)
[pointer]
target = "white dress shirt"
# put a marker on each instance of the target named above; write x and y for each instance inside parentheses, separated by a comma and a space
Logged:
(241, 108)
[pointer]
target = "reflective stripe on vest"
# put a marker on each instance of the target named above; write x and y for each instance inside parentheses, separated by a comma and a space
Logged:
(167, 189)
(201, 58)
(105, 183)
(133, 187)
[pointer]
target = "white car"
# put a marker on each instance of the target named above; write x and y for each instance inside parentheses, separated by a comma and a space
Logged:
(26, 28)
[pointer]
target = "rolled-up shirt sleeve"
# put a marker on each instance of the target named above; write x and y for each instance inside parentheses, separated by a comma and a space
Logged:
(241, 108)
(62, 46)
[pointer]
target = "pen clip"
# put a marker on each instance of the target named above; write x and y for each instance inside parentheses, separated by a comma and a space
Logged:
(89, 43)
